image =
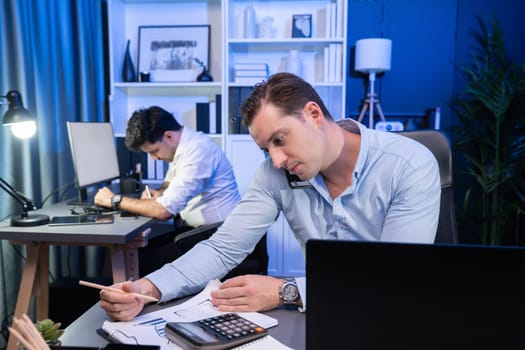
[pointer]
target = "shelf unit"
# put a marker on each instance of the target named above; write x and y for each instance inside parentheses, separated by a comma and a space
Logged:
(228, 46)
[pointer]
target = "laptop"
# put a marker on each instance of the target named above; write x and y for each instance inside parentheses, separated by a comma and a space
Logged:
(372, 295)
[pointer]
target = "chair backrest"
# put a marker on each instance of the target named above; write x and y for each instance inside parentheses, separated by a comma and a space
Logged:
(255, 263)
(439, 145)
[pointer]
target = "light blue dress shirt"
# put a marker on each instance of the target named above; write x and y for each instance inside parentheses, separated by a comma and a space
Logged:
(202, 186)
(394, 196)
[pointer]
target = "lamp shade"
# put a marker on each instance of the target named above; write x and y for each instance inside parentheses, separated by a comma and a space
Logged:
(373, 55)
(21, 121)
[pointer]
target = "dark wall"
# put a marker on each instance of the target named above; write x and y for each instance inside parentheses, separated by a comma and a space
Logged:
(430, 40)
(510, 14)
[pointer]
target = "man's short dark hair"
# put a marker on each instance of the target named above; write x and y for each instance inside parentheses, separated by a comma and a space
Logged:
(149, 125)
(286, 91)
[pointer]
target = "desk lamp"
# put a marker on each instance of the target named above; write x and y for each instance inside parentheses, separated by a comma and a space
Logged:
(372, 56)
(23, 126)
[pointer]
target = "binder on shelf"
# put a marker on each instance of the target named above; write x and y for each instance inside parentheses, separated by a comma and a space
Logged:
(237, 97)
(234, 117)
(245, 93)
(202, 111)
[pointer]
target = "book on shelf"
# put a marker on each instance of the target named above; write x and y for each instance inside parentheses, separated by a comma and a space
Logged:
(248, 80)
(330, 20)
(250, 73)
(213, 121)
(339, 28)
(250, 66)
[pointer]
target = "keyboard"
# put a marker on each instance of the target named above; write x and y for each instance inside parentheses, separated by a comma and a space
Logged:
(88, 208)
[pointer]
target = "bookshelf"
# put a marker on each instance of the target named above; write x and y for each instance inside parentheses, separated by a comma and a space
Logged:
(312, 31)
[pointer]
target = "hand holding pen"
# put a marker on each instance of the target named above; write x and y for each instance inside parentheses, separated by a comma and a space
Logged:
(129, 299)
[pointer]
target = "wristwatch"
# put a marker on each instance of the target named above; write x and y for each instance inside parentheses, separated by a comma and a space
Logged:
(288, 292)
(115, 201)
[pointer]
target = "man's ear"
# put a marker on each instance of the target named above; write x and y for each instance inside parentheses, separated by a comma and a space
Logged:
(313, 111)
(170, 136)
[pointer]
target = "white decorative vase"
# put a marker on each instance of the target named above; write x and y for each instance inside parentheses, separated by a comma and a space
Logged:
(294, 63)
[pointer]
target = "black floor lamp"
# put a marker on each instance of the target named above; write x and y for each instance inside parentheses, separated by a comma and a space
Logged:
(23, 126)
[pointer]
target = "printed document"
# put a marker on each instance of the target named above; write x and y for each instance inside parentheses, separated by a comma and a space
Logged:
(148, 329)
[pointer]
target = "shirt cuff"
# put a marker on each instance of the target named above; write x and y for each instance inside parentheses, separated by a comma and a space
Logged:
(301, 285)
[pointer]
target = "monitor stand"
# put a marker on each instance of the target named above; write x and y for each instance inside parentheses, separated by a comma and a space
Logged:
(82, 198)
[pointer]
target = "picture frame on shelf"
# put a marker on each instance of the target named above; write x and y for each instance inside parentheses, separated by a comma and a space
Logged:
(301, 26)
(168, 53)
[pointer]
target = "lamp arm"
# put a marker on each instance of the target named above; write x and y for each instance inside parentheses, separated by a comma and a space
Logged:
(27, 204)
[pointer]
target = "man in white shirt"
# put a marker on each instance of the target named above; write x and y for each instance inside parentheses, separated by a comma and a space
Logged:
(199, 187)
(353, 183)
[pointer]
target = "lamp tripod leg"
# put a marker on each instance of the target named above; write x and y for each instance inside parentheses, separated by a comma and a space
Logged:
(380, 111)
(363, 111)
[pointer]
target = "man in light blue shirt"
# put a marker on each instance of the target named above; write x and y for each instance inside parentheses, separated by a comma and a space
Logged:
(351, 183)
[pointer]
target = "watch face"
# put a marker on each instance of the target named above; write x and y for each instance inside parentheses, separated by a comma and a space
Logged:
(290, 292)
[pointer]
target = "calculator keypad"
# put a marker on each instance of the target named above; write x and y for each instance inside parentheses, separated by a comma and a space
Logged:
(231, 326)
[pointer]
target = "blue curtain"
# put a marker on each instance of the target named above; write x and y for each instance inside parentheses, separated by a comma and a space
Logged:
(52, 51)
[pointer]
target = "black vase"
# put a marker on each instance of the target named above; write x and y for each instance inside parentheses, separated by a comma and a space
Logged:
(128, 70)
(204, 75)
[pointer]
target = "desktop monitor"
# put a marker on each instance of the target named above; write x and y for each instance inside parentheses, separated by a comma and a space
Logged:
(94, 154)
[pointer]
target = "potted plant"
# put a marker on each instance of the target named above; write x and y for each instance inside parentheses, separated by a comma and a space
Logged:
(50, 331)
(491, 139)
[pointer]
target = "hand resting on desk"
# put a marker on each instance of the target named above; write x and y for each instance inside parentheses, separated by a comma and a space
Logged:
(238, 294)
(247, 293)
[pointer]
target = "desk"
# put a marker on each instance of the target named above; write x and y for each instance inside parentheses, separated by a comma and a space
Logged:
(123, 237)
(82, 332)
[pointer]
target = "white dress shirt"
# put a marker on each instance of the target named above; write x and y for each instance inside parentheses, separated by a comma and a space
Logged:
(202, 186)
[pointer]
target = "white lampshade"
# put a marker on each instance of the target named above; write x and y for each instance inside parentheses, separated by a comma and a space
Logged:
(373, 55)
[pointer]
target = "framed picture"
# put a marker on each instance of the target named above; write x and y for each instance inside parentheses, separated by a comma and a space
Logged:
(302, 26)
(173, 53)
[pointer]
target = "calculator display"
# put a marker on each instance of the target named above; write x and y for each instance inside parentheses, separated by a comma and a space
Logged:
(192, 330)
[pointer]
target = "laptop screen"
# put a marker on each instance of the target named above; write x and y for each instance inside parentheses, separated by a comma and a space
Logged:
(372, 295)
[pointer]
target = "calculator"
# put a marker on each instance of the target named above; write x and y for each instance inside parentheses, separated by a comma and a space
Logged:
(214, 333)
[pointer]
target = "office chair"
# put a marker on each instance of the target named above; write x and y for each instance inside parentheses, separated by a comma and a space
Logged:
(438, 144)
(255, 263)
